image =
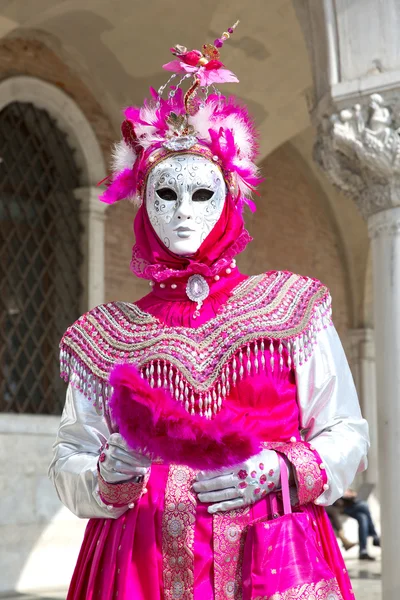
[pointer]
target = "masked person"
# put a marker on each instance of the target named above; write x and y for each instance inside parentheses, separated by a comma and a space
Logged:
(180, 405)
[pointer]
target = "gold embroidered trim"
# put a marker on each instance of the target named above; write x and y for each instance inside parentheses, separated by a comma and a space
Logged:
(228, 538)
(122, 493)
(178, 526)
(323, 590)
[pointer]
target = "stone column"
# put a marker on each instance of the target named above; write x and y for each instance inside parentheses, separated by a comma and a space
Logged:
(92, 270)
(359, 149)
(364, 372)
(384, 230)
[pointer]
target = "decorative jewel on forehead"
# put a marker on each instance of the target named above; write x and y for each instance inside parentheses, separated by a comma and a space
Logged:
(180, 135)
(179, 125)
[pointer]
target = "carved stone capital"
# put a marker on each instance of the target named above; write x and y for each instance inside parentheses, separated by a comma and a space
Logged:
(359, 149)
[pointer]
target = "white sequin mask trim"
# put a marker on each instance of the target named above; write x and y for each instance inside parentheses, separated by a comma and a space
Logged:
(185, 196)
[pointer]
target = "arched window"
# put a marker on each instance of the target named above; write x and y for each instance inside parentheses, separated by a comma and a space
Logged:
(40, 257)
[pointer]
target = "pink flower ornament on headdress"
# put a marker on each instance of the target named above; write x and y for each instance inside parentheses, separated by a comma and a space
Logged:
(205, 65)
(213, 126)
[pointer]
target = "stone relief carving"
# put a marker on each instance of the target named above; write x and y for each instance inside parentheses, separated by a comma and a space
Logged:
(359, 149)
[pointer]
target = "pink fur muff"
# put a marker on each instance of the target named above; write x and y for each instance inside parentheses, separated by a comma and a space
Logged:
(151, 420)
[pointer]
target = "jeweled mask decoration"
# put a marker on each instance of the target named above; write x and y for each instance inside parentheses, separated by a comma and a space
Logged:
(185, 195)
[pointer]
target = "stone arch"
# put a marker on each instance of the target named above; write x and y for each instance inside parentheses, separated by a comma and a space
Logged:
(68, 116)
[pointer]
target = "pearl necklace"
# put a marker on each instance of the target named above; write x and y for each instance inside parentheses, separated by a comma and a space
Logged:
(197, 288)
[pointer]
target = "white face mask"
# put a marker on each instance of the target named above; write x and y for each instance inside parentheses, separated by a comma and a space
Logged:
(185, 196)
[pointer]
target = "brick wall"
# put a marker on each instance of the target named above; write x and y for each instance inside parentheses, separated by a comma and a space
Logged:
(32, 57)
(121, 284)
(293, 229)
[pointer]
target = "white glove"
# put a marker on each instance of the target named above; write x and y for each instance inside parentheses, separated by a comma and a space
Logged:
(118, 462)
(241, 485)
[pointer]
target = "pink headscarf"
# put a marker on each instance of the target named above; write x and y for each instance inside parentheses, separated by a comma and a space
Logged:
(152, 260)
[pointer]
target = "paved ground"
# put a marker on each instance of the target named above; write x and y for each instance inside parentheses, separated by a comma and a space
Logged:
(366, 579)
(364, 575)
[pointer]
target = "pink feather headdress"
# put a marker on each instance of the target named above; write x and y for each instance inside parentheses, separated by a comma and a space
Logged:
(213, 126)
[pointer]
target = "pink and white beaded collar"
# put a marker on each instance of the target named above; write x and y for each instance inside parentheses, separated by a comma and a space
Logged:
(270, 322)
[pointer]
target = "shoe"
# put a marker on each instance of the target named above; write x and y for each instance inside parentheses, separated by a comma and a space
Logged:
(348, 545)
(365, 556)
(377, 541)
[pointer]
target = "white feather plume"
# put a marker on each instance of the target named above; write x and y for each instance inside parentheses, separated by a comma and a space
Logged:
(122, 157)
(243, 136)
(202, 122)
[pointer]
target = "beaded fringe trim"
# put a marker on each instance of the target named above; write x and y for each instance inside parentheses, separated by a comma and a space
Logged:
(168, 366)
(253, 358)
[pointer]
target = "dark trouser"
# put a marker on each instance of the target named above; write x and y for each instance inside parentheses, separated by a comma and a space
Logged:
(360, 512)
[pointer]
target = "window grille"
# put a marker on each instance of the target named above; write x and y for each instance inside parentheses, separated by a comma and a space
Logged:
(40, 257)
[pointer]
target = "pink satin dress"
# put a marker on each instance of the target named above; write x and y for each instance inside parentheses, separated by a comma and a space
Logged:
(169, 537)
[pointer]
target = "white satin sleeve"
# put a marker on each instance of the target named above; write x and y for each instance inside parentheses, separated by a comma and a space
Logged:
(73, 470)
(330, 414)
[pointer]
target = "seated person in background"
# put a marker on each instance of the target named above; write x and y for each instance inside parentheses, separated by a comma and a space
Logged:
(350, 506)
(334, 513)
